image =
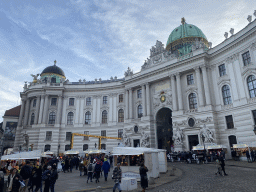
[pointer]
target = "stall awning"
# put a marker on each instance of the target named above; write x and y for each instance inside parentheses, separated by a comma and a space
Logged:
(23, 155)
(134, 150)
(240, 146)
(71, 152)
(198, 148)
(216, 147)
(96, 151)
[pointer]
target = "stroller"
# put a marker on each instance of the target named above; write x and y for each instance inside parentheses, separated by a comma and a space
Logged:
(219, 169)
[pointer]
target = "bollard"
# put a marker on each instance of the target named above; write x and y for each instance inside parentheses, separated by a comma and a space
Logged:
(151, 181)
(99, 189)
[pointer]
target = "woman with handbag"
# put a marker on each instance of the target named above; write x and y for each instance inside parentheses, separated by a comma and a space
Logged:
(143, 177)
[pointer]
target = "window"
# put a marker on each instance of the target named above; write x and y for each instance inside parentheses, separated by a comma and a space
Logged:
(246, 58)
(48, 136)
(70, 119)
(88, 118)
(103, 146)
(191, 122)
(68, 136)
(254, 116)
(67, 147)
(192, 101)
(139, 93)
(32, 119)
(104, 133)
(85, 147)
(54, 101)
(120, 115)
(47, 148)
(222, 70)
(190, 79)
(104, 116)
(86, 133)
(140, 111)
(251, 82)
(226, 95)
(121, 98)
(71, 101)
(229, 121)
(52, 118)
(105, 100)
(88, 101)
(53, 80)
(34, 102)
(120, 133)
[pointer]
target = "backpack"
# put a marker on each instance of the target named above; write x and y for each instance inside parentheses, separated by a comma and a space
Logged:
(90, 167)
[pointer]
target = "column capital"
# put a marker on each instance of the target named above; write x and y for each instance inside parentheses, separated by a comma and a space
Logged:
(59, 95)
(197, 69)
(172, 76)
(177, 74)
(38, 96)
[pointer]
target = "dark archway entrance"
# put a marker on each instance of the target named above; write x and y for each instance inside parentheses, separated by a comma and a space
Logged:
(164, 129)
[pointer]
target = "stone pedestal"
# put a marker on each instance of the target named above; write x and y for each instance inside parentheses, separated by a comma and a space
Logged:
(178, 147)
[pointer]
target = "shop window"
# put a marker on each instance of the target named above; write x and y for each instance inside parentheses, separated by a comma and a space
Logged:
(68, 136)
(85, 147)
(67, 147)
(103, 146)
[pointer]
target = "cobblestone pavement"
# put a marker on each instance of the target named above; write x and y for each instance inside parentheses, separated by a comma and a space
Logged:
(201, 178)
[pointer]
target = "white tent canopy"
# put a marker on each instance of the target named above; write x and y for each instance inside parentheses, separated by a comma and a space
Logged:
(23, 155)
(133, 150)
(237, 146)
(96, 151)
(71, 152)
(216, 147)
(198, 148)
(253, 144)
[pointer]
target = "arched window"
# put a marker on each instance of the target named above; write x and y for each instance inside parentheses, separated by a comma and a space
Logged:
(104, 116)
(140, 111)
(251, 82)
(192, 101)
(120, 115)
(226, 95)
(32, 119)
(47, 148)
(52, 118)
(70, 119)
(88, 117)
(85, 147)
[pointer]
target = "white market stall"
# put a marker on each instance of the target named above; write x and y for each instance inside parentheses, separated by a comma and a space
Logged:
(71, 152)
(23, 155)
(241, 150)
(130, 159)
(216, 147)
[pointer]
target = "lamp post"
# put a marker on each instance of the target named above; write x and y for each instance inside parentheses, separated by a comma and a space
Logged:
(58, 150)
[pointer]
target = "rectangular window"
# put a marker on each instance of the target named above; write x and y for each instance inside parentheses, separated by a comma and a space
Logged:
(105, 100)
(85, 147)
(48, 136)
(86, 133)
(47, 148)
(68, 136)
(104, 133)
(254, 116)
(190, 79)
(71, 101)
(103, 146)
(121, 98)
(222, 70)
(54, 101)
(88, 101)
(246, 58)
(229, 121)
(34, 102)
(120, 133)
(67, 147)
(139, 93)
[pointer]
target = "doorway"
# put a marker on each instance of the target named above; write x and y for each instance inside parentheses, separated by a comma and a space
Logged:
(164, 129)
(136, 143)
(232, 140)
(193, 141)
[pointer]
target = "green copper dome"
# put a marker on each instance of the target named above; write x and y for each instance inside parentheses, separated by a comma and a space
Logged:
(182, 37)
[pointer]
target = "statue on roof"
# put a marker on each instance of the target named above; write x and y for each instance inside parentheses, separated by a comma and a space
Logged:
(55, 62)
(183, 21)
(35, 77)
(129, 72)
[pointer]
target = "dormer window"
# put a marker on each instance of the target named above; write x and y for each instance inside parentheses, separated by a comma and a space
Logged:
(53, 80)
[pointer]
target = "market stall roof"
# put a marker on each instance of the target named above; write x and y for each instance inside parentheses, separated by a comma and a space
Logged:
(133, 150)
(71, 152)
(96, 151)
(216, 147)
(240, 145)
(23, 155)
(198, 148)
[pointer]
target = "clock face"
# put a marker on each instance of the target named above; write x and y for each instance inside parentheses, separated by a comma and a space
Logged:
(162, 98)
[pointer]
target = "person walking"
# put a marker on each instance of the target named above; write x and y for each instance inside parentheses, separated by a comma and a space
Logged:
(97, 171)
(53, 177)
(25, 173)
(46, 178)
(13, 184)
(81, 167)
(143, 177)
(117, 176)
(89, 172)
(106, 168)
(222, 164)
(37, 177)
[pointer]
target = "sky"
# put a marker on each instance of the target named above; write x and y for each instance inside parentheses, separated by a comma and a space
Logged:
(98, 39)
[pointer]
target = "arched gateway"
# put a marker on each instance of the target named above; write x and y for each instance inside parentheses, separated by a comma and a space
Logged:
(164, 129)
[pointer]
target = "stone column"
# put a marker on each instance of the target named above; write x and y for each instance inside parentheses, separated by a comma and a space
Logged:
(126, 114)
(199, 87)
(46, 107)
(98, 109)
(94, 105)
(110, 108)
(114, 108)
(81, 118)
(77, 109)
(21, 112)
(148, 99)
(37, 109)
(130, 104)
(179, 92)
(206, 85)
(144, 100)
(174, 94)
(59, 109)
(41, 110)
(26, 112)
(64, 115)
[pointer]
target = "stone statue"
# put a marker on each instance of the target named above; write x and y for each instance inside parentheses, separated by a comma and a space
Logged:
(207, 134)
(226, 35)
(178, 137)
(254, 13)
(34, 77)
(249, 18)
(25, 85)
(210, 45)
(26, 141)
(129, 72)
(231, 31)
(126, 140)
(145, 139)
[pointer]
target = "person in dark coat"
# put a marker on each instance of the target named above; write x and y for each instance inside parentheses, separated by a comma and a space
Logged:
(97, 171)
(143, 177)
(117, 176)
(46, 178)
(25, 173)
(37, 177)
(66, 166)
(53, 177)
(222, 164)
(106, 168)
(13, 181)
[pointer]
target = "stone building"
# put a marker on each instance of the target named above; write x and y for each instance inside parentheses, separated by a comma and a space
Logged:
(185, 92)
